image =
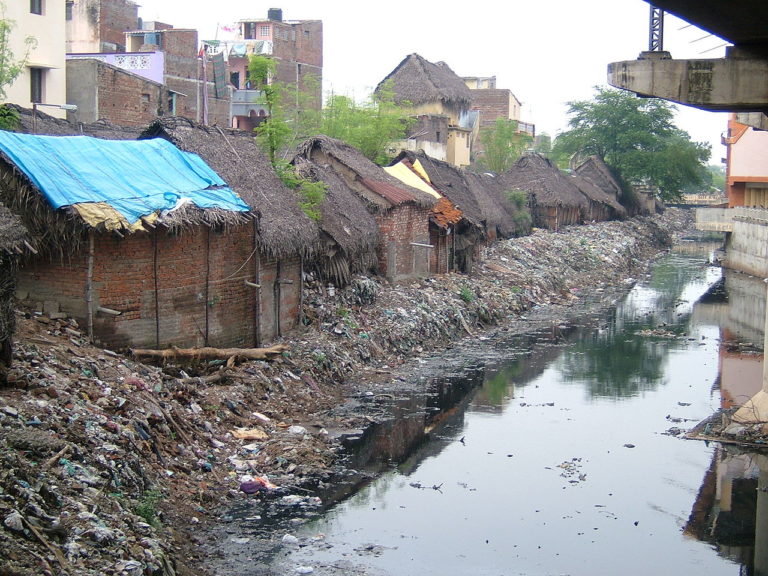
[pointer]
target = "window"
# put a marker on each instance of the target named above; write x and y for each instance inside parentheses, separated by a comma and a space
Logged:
(36, 6)
(264, 31)
(172, 103)
(68, 9)
(36, 84)
(234, 79)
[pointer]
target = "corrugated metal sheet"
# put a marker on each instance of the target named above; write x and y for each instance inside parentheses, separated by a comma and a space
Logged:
(393, 194)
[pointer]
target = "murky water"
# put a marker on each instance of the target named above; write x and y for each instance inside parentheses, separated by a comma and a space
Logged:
(560, 452)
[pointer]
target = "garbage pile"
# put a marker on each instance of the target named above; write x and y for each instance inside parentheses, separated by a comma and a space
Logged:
(112, 466)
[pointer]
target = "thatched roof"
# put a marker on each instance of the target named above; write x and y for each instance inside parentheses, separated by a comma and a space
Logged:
(490, 192)
(537, 175)
(597, 195)
(480, 197)
(601, 175)
(13, 235)
(380, 190)
(41, 123)
(417, 81)
(283, 228)
(48, 182)
(349, 234)
(449, 180)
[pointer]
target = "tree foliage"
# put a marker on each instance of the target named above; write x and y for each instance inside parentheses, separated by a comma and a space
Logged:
(637, 137)
(284, 125)
(502, 145)
(371, 126)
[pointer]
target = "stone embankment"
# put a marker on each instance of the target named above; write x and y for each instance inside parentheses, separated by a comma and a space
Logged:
(115, 467)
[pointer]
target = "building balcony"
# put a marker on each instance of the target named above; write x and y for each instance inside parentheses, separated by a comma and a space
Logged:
(248, 103)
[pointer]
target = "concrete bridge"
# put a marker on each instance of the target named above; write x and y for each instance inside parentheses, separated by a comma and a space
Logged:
(737, 83)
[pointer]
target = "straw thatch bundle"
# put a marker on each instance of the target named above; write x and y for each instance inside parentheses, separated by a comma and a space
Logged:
(348, 232)
(380, 190)
(417, 81)
(283, 228)
(12, 242)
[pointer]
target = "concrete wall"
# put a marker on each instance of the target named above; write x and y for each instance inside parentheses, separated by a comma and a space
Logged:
(48, 29)
(100, 25)
(747, 245)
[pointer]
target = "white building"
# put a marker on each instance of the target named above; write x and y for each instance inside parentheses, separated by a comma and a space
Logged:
(43, 79)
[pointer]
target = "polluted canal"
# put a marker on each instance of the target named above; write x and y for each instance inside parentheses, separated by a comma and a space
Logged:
(561, 451)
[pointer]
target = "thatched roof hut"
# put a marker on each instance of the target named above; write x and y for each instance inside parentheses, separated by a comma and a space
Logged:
(603, 206)
(479, 196)
(417, 81)
(601, 175)
(379, 190)
(348, 231)
(557, 201)
(283, 228)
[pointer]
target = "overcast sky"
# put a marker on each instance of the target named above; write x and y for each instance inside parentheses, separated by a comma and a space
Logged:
(547, 52)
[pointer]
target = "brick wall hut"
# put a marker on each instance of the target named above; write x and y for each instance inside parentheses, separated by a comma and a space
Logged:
(485, 215)
(136, 240)
(270, 254)
(401, 213)
(12, 244)
(443, 217)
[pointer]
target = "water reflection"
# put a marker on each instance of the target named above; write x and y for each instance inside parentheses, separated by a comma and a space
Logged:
(547, 453)
(731, 509)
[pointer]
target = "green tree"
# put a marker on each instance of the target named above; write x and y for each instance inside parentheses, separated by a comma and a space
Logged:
(502, 145)
(637, 138)
(370, 126)
(288, 120)
(10, 66)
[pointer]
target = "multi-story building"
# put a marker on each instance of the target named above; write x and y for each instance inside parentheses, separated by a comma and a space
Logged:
(746, 165)
(297, 50)
(493, 103)
(43, 80)
(95, 26)
(445, 126)
(129, 72)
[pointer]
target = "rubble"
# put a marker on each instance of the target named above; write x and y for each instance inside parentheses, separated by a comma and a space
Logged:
(112, 466)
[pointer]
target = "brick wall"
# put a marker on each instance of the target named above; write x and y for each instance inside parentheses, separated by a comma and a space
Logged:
(115, 18)
(492, 104)
(399, 228)
(195, 280)
(126, 99)
(439, 255)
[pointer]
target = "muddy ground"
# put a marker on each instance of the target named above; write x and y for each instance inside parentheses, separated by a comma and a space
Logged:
(116, 467)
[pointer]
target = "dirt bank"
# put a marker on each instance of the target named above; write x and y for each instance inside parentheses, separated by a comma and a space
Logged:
(112, 466)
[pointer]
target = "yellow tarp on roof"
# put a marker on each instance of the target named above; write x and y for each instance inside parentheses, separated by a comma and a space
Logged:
(408, 176)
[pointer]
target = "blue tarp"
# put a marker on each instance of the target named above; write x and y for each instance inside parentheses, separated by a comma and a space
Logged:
(136, 177)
